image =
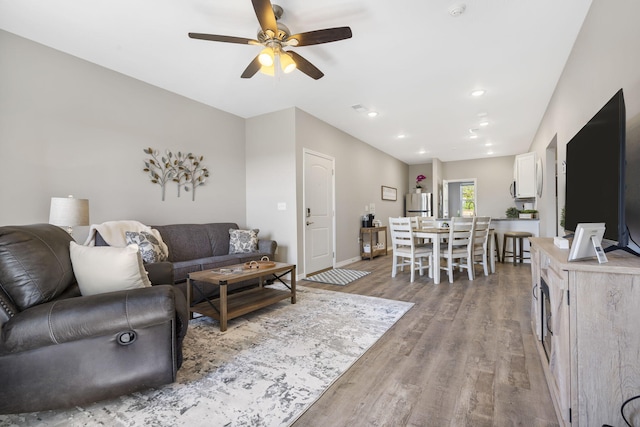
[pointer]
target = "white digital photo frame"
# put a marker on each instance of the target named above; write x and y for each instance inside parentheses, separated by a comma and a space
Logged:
(587, 242)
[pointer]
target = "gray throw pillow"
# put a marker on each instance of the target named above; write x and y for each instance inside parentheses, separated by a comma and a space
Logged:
(148, 244)
(243, 241)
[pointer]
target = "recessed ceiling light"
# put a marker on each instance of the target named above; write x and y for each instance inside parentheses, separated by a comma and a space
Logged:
(488, 144)
(484, 123)
(489, 153)
(473, 130)
(372, 113)
(422, 152)
(483, 114)
(474, 136)
(401, 136)
(478, 92)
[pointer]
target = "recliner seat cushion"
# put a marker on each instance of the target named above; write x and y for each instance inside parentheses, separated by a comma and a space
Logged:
(35, 266)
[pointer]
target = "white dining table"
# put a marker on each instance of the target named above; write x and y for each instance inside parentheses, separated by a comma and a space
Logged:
(436, 235)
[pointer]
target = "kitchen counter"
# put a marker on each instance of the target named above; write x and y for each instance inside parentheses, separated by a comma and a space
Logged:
(502, 225)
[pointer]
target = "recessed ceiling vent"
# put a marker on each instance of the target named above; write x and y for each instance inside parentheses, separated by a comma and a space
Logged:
(457, 10)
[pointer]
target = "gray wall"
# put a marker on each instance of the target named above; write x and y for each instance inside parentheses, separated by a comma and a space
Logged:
(493, 175)
(71, 127)
(604, 59)
(361, 171)
(271, 179)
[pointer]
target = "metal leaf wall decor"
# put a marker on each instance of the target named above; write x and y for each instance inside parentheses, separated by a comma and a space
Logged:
(183, 169)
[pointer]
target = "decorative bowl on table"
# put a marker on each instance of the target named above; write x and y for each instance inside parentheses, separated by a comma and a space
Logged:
(263, 263)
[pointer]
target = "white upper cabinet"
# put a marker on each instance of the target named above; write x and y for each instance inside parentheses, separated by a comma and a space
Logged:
(525, 175)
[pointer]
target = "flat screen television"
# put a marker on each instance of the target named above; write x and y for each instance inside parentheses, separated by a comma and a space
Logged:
(595, 174)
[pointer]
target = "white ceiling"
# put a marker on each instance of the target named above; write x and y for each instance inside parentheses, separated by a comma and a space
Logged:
(409, 60)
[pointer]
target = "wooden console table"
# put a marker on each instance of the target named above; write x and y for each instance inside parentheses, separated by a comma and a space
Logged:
(373, 251)
(590, 331)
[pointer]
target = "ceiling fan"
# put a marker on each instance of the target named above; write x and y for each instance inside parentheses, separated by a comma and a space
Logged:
(275, 36)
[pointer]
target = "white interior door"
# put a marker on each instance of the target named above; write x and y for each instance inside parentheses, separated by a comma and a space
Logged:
(318, 212)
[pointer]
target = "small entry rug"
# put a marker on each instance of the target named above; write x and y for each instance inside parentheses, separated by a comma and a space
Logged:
(337, 276)
(265, 370)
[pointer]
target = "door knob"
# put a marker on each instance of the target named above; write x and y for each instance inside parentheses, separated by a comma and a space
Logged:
(309, 222)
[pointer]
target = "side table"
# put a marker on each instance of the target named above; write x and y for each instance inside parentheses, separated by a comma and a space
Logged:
(376, 246)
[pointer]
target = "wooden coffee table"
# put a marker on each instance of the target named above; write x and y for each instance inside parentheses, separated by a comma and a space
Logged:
(240, 303)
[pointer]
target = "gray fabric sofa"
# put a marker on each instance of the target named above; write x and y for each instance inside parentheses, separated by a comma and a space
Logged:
(196, 247)
(61, 349)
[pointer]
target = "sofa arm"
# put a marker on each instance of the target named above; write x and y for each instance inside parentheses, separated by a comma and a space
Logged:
(78, 318)
(160, 273)
(267, 246)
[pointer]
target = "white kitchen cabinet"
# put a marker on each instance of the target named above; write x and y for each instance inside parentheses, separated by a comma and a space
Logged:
(524, 174)
(593, 315)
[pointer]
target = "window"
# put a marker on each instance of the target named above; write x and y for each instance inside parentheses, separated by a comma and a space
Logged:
(468, 199)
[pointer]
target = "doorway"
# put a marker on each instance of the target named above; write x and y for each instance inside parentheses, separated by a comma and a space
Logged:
(318, 212)
(549, 197)
(459, 197)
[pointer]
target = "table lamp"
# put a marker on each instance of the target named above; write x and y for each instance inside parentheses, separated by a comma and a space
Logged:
(68, 212)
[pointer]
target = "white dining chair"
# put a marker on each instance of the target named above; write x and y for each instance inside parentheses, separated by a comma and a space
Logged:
(427, 222)
(406, 251)
(478, 251)
(456, 250)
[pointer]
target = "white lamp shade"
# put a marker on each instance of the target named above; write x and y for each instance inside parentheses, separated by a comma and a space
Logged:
(269, 71)
(266, 57)
(69, 211)
(287, 63)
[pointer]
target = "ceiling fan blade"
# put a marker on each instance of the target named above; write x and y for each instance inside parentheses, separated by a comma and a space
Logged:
(226, 39)
(319, 36)
(305, 66)
(265, 15)
(252, 68)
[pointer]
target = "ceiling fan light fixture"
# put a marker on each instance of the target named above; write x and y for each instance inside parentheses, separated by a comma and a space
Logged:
(287, 63)
(266, 57)
(269, 71)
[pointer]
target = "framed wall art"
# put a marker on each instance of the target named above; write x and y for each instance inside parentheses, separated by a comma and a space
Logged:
(389, 193)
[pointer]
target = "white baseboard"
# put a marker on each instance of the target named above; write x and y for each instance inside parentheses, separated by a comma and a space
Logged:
(347, 262)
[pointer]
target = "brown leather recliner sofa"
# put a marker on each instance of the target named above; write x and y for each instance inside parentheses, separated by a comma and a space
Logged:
(58, 348)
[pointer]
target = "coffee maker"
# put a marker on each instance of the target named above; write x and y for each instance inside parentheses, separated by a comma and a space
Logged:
(367, 220)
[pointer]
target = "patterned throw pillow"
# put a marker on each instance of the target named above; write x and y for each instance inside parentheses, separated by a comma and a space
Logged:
(243, 241)
(149, 246)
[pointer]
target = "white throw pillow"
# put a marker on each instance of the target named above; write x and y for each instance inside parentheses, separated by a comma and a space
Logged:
(100, 269)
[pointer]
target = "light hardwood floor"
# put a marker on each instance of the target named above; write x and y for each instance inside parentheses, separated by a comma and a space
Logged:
(464, 355)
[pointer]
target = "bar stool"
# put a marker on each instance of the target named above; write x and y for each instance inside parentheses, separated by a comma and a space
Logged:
(497, 246)
(518, 240)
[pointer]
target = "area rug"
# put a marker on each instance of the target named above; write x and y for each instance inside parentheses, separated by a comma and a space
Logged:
(337, 276)
(265, 370)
